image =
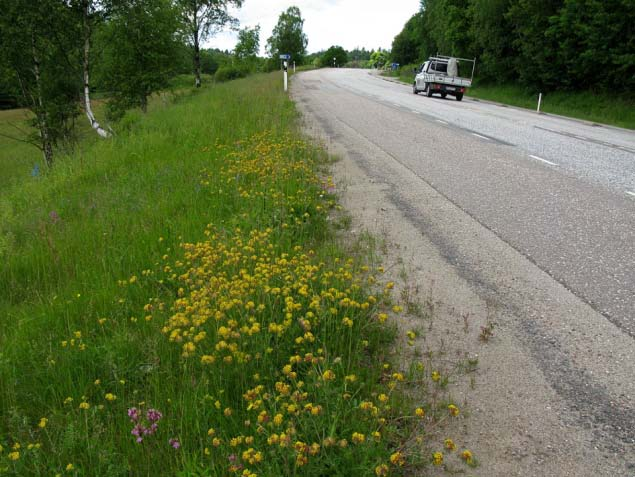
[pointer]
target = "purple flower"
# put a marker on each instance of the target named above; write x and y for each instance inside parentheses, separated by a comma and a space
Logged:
(54, 217)
(153, 415)
(133, 414)
(174, 443)
(146, 427)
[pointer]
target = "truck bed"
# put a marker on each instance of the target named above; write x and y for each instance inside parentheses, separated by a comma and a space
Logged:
(445, 79)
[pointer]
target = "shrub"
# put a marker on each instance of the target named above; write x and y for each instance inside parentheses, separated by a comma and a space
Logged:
(228, 73)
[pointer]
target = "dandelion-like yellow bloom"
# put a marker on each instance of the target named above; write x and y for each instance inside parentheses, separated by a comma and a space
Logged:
(110, 397)
(358, 437)
(436, 376)
(84, 405)
(454, 411)
(467, 456)
(328, 375)
(437, 458)
(397, 459)
(419, 412)
(449, 444)
(15, 455)
(69, 467)
(43, 422)
(381, 470)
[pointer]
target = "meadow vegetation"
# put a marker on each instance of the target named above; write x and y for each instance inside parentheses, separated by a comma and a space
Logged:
(175, 301)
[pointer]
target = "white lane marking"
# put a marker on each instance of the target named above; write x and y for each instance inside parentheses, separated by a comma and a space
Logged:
(439, 121)
(630, 193)
(414, 111)
(543, 160)
(482, 137)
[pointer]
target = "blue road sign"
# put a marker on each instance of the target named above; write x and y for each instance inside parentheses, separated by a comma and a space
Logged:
(285, 57)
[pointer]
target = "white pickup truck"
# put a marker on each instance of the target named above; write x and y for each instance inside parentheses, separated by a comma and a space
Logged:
(440, 74)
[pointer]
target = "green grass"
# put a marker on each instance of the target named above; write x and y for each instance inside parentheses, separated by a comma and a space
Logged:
(613, 109)
(188, 265)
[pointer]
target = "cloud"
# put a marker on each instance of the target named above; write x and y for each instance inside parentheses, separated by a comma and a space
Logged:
(347, 23)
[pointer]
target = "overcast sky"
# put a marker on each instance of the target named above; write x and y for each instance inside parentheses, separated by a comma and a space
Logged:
(347, 23)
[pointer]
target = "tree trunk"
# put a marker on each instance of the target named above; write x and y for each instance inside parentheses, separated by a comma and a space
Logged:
(197, 58)
(89, 111)
(40, 112)
(144, 104)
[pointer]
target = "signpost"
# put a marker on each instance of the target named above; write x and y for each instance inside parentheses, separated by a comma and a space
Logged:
(285, 66)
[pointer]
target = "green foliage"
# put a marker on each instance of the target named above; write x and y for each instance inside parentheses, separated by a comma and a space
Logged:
(228, 73)
(140, 52)
(406, 47)
(200, 19)
(334, 56)
(248, 44)
(378, 59)
(288, 37)
(40, 60)
(542, 44)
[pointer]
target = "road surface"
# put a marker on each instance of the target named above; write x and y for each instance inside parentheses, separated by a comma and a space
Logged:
(531, 220)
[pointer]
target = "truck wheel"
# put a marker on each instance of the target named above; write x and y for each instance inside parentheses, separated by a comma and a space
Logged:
(443, 95)
(459, 96)
(414, 88)
(428, 90)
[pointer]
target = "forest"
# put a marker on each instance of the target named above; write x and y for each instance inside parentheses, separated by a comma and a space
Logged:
(553, 45)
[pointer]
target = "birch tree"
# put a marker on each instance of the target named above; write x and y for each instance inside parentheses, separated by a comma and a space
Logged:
(87, 9)
(37, 44)
(202, 19)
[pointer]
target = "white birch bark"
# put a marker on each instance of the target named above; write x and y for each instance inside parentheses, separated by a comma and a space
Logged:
(89, 111)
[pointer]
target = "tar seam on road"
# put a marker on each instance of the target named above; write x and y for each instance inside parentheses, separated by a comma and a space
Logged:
(588, 139)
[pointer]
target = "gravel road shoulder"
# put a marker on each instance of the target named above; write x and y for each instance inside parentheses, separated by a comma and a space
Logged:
(553, 394)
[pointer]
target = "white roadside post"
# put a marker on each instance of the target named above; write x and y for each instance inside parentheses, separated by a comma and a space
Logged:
(539, 102)
(285, 74)
(294, 67)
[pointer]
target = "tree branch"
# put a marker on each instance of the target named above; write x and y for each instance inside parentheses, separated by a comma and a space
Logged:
(8, 136)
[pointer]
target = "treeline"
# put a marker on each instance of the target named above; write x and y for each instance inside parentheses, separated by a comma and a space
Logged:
(545, 44)
(336, 56)
(56, 54)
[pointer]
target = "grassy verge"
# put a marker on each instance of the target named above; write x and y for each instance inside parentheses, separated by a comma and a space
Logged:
(173, 302)
(615, 110)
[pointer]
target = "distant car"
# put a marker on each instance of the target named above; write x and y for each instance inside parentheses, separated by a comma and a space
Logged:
(440, 75)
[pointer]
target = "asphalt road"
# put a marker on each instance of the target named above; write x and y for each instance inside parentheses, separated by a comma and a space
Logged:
(533, 215)
(562, 192)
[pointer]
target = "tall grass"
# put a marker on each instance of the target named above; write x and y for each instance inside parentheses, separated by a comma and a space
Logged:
(184, 274)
